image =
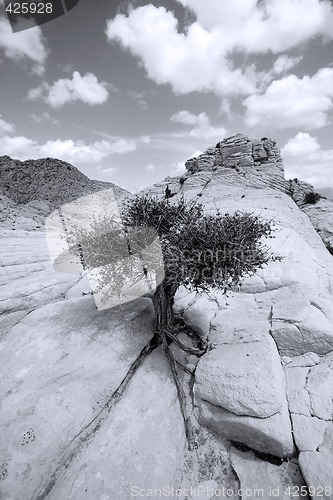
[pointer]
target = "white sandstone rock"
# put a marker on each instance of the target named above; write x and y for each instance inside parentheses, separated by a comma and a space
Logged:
(260, 479)
(200, 315)
(267, 435)
(245, 379)
(320, 388)
(240, 394)
(327, 444)
(317, 470)
(308, 432)
(297, 395)
(307, 359)
(140, 446)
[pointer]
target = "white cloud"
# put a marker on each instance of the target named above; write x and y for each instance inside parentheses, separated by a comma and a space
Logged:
(301, 145)
(150, 33)
(139, 98)
(18, 147)
(304, 158)
(190, 119)
(5, 127)
(284, 63)
(270, 25)
(195, 154)
(85, 88)
(178, 168)
(24, 45)
(68, 150)
(122, 146)
(293, 102)
(106, 170)
(44, 117)
(145, 139)
(202, 128)
(150, 167)
(37, 93)
(200, 58)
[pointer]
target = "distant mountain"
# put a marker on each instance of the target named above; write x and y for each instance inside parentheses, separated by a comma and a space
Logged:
(55, 181)
(327, 192)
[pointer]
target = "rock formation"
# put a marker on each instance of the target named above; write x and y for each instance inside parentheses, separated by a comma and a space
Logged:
(267, 382)
(262, 395)
(31, 189)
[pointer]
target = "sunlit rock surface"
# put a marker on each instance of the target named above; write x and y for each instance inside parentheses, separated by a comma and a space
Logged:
(289, 303)
(266, 384)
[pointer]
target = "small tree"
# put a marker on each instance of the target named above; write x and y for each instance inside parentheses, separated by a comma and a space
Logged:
(311, 198)
(201, 251)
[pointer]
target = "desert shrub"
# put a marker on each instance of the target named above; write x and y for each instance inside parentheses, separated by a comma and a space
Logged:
(311, 198)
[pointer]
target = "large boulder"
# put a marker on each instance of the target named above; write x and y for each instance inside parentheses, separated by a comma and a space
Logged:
(240, 393)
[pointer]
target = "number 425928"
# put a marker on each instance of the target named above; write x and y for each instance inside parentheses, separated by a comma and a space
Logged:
(29, 8)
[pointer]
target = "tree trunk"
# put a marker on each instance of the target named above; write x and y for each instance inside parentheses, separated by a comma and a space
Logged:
(187, 417)
(163, 300)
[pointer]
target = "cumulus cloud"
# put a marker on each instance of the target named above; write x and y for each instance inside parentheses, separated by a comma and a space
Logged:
(301, 145)
(5, 127)
(68, 150)
(201, 126)
(293, 102)
(200, 58)
(270, 25)
(190, 119)
(151, 34)
(28, 45)
(85, 88)
(304, 158)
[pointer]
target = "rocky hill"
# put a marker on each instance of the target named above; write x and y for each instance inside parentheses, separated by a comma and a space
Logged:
(31, 189)
(262, 397)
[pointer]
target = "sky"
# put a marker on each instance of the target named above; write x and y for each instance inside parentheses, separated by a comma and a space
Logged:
(128, 91)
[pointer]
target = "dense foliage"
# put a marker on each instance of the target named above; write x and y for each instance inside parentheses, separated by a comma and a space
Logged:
(200, 251)
(203, 251)
(311, 198)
